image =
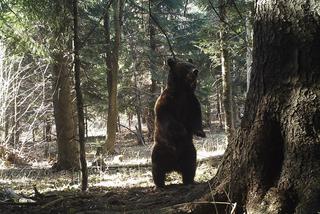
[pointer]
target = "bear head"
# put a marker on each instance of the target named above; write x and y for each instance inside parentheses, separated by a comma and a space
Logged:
(182, 75)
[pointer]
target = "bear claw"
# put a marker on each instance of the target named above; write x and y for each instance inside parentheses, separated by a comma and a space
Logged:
(200, 133)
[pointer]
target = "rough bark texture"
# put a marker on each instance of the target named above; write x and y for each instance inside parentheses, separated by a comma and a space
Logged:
(68, 149)
(273, 166)
(64, 108)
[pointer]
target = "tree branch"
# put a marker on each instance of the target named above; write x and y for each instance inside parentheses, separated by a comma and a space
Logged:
(157, 24)
(221, 20)
(84, 41)
(162, 30)
(237, 9)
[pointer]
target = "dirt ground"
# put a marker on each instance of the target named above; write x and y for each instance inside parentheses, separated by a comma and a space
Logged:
(123, 185)
(114, 200)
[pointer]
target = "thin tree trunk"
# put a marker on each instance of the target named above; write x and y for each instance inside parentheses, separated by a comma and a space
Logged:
(47, 123)
(208, 112)
(219, 107)
(81, 126)
(118, 124)
(47, 131)
(86, 121)
(129, 115)
(226, 76)
(6, 125)
(153, 70)
(16, 122)
(112, 76)
(138, 107)
(107, 147)
(46, 137)
(249, 48)
(236, 119)
(34, 135)
(138, 102)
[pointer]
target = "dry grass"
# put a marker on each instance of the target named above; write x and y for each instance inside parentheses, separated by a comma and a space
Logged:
(125, 174)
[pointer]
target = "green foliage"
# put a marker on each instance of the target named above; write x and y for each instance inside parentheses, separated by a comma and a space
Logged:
(43, 27)
(19, 32)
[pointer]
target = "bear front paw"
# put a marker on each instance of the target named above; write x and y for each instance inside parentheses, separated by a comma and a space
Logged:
(200, 133)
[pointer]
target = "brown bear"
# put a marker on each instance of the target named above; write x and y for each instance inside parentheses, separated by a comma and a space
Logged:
(177, 118)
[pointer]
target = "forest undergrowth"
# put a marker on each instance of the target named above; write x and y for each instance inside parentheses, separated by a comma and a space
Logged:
(120, 182)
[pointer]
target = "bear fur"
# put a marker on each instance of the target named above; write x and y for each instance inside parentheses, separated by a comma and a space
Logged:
(177, 119)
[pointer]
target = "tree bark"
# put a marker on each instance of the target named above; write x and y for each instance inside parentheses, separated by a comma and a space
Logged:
(273, 166)
(207, 112)
(46, 136)
(15, 133)
(249, 35)
(138, 101)
(80, 111)
(109, 64)
(64, 108)
(68, 149)
(153, 70)
(6, 125)
(112, 73)
(47, 130)
(219, 107)
(226, 76)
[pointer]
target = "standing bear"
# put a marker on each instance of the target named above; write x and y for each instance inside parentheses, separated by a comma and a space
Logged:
(177, 119)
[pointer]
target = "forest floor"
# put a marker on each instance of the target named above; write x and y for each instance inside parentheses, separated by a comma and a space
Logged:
(122, 184)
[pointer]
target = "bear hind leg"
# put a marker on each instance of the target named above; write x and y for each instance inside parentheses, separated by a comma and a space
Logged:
(188, 165)
(188, 175)
(158, 177)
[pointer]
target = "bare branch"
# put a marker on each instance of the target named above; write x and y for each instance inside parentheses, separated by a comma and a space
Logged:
(162, 30)
(224, 22)
(84, 41)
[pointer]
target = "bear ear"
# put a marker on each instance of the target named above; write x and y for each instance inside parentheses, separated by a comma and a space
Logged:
(190, 60)
(171, 62)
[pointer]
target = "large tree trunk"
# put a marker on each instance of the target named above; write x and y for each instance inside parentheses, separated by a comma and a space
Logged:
(273, 166)
(64, 108)
(226, 76)
(68, 149)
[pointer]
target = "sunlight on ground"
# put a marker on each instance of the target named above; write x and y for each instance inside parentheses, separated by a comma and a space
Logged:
(141, 178)
(203, 154)
(130, 168)
(23, 180)
(41, 165)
